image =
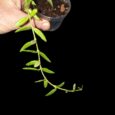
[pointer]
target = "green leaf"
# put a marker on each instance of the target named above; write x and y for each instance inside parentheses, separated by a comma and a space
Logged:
(34, 63)
(48, 70)
(30, 68)
(62, 84)
(45, 83)
(79, 88)
(27, 4)
(41, 80)
(50, 2)
(40, 34)
(33, 12)
(27, 44)
(29, 51)
(24, 28)
(33, 3)
(74, 86)
(27, 1)
(51, 92)
(43, 55)
(22, 21)
(37, 63)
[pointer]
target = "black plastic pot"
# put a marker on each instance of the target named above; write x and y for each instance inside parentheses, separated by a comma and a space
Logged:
(56, 21)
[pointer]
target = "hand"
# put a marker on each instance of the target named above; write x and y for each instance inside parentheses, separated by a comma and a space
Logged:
(10, 13)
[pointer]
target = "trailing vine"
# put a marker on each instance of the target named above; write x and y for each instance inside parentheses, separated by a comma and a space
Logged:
(36, 65)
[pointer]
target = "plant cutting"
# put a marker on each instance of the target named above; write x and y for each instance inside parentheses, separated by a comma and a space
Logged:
(54, 11)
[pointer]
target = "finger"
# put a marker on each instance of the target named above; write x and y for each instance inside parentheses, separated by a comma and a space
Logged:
(42, 24)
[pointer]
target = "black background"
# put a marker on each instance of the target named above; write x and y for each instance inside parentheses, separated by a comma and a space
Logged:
(71, 49)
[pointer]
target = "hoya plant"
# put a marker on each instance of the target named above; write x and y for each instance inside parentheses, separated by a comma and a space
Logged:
(36, 64)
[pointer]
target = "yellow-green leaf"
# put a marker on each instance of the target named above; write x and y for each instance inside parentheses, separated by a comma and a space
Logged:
(27, 4)
(74, 86)
(37, 63)
(51, 92)
(44, 56)
(48, 70)
(33, 12)
(22, 21)
(79, 88)
(40, 34)
(27, 44)
(33, 3)
(62, 84)
(30, 51)
(24, 28)
(45, 83)
(30, 68)
(38, 81)
(34, 63)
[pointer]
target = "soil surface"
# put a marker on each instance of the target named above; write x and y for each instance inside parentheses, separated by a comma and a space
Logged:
(59, 8)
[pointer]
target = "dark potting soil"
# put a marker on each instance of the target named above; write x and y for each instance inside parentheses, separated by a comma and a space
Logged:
(59, 8)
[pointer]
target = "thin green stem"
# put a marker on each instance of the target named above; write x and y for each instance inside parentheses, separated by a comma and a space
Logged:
(38, 52)
(40, 66)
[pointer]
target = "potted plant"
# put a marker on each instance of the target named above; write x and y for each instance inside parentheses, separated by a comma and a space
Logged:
(54, 11)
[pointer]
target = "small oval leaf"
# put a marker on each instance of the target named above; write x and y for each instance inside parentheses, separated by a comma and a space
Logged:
(74, 86)
(30, 51)
(38, 81)
(44, 56)
(45, 83)
(34, 63)
(40, 34)
(22, 21)
(30, 68)
(37, 63)
(79, 88)
(51, 92)
(27, 44)
(62, 84)
(33, 13)
(48, 70)
(26, 4)
(24, 28)
(33, 3)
